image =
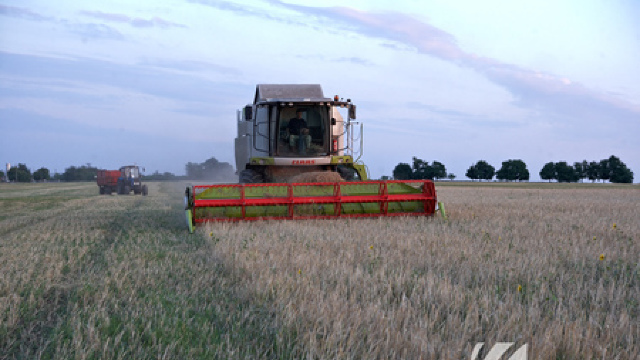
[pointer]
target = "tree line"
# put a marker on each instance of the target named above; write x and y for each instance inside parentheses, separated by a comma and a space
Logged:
(421, 169)
(511, 170)
(611, 169)
(22, 173)
(211, 170)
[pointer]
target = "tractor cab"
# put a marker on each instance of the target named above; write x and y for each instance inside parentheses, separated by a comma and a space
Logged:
(130, 172)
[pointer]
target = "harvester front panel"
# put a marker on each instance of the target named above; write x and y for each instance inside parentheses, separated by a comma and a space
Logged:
(236, 202)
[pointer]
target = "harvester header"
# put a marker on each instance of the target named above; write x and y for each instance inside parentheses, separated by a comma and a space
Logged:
(216, 203)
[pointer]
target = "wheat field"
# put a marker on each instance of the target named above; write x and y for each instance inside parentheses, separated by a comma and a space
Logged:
(552, 266)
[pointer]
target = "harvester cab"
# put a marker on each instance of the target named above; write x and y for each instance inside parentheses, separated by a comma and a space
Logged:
(293, 132)
(294, 129)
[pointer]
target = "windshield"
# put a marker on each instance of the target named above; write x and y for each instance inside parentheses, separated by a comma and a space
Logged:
(302, 131)
(131, 172)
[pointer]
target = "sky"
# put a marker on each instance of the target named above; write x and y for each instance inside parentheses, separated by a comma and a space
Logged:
(158, 82)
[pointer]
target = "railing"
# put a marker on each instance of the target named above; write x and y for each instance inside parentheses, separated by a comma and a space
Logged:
(236, 202)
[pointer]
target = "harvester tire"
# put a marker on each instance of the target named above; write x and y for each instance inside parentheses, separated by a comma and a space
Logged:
(248, 176)
(346, 173)
(101, 190)
(145, 190)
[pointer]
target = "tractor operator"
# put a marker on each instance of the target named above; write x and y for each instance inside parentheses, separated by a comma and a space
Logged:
(298, 128)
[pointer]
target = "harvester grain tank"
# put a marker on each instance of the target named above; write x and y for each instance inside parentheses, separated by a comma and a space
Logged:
(122, 181)
(290, 131)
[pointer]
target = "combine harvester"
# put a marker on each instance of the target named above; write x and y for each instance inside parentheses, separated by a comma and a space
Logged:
(294, 156)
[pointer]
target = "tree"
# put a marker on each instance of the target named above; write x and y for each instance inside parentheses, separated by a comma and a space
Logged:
(604, 170)
(593, 171)
(485, 171)
(565, 172)
(82, 173)
(513, 170)
(41, 174)
(402, 171)
(481, 170)
(437, 170)
(420, 169)
(211, 169)
(548, 171)
(451, 176)
(20, 173)
(472, 173)
(614, 170)
(581, 169)
(622, 175)
(523, 172)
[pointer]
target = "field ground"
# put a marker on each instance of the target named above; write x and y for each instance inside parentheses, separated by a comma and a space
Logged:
(553, 266)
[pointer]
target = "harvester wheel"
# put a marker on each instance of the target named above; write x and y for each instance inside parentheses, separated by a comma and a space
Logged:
(145, 191)
(249, 176)
(101, 190)
(346, 173)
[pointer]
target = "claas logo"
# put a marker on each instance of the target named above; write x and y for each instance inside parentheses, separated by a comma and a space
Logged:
(303, 162)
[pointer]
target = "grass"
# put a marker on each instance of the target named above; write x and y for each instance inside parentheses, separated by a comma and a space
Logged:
(95, 277)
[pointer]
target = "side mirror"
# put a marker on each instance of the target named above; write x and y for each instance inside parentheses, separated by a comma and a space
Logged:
(333, 121)
(248, 112)
(352, 111)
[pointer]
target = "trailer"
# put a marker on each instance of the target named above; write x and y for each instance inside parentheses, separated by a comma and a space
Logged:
(108, 181)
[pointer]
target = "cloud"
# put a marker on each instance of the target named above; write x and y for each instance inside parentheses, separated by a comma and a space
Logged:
(192, 66)
(18, 12)
(95, 31)
(247, 11)
(85, 30)
(355, 60)
(437, 110)
(61, 76)
(133, 21)
(228, 6)
(532, 89)
(343, 59)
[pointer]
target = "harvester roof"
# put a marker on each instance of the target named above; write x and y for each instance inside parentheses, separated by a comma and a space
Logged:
(289, 92)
